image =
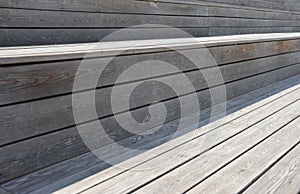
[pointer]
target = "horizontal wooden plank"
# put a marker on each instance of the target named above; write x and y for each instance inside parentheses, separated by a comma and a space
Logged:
(113, 6)
(217, 31)
(15, 37)
(69, 144)
(22, 18)
(160, 7)
(249, 3)
(282, 177)
(16, 55)
(36, 18)
(238, 174)
(249, 22)
(73, 170)
(29, 37)
(246, 12)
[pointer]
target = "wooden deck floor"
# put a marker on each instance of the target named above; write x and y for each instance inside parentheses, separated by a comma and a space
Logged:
(257, 150)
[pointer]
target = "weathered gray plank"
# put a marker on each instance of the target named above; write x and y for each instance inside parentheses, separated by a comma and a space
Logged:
(151, 169)
(28, 18)
(113, 6)
(16, 55)
(284, 177)
(218, 31)
(238, 174)
(15, 37)
(249, 22)
(68, 172)
(161, 7)
(38, 18)
(247, 12)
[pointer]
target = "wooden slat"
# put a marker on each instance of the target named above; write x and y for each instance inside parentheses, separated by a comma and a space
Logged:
(36, 36)
(217, 31)
(39, 18)
(186, 176)
(62, 52)
(113, 6)
(245, 11)
(161, 7)
(150, 170)
(283, 177)
(27, 18)
(238, 174)
(73, 170)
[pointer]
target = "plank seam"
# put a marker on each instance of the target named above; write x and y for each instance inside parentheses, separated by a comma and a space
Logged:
(267, 169)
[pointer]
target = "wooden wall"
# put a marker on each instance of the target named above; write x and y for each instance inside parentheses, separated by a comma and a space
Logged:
(36, 118)
(38, 22)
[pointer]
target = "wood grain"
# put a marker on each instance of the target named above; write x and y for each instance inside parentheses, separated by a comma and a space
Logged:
(61, 175)
(74, 21)
(183, 178)
(151, 169)
(282, 177)
(51, 114)
(242, 171)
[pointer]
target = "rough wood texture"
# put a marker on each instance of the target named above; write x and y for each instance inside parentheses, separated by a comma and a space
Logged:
(238, 174)
(36, 116)
(183, 178)
(150, 170)
(63, 174)
(48, 115)
(74, 21)
(283, 177)
(57, 77)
